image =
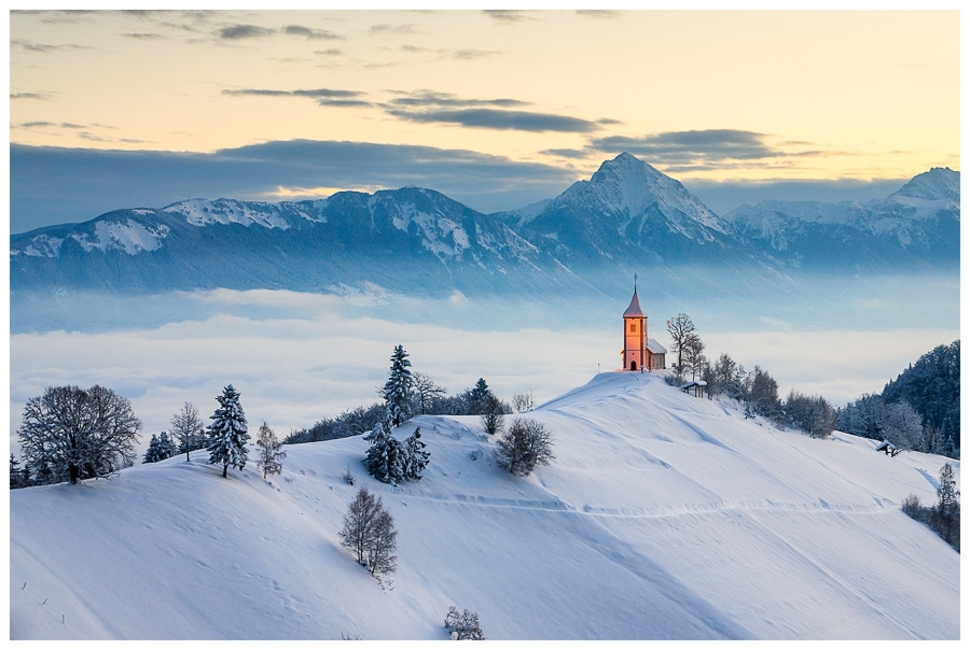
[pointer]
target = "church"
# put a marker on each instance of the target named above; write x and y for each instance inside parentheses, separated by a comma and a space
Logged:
(639, 351)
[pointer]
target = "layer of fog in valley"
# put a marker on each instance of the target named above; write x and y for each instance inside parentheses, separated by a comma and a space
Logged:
(297, 358)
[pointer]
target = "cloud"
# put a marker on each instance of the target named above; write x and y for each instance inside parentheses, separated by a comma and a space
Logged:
(38, 96)
(238, 32)
(487, 118)
(724, 196)
(323, 96)
(142, 36)
(380, 30)
(45, 48)
(446, 108)
(470, 54)
(598, 13)
(685, 146)
(423, 98)
(50, 185)
(310, 33)
(508, 15)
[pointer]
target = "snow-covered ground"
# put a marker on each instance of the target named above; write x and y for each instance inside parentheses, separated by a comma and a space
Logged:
(662, 516)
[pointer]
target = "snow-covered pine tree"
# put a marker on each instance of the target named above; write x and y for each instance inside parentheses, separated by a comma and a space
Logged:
(415, 456)
(270, 451)
(477, 396)
(159, 448)
(228, 432)
(386, 456)
(397, 389)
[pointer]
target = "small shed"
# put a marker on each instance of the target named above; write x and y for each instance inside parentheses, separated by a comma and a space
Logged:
(889, 448)
(695, 388)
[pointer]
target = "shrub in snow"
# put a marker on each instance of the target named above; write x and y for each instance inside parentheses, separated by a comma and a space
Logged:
(159, 448)
(493, 415)
(525, 445)
(463, 626)
(397, 389)
(69, 433)
(369, 532)
(270, 451)
(228, 432)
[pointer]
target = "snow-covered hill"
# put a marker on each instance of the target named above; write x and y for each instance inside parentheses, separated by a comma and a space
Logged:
(662, 516)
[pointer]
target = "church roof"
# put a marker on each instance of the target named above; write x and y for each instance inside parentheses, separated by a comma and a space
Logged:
(633, 311)
(653, 345)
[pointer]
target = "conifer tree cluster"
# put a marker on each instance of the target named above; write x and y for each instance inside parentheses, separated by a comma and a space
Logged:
(159, 448)
(228, 432)
(391, 461)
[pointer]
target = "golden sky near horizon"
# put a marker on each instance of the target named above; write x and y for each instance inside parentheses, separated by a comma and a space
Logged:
(702, 94)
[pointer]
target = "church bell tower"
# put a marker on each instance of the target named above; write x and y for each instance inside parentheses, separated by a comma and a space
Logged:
(635, 335)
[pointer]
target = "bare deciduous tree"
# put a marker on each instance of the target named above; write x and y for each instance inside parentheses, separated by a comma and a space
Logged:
(522, 402)
(271, 454)
(187, 429)
(369, 532)
(680, 327)
(69, 433)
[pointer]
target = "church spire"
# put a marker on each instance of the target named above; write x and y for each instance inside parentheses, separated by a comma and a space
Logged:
(634, 311)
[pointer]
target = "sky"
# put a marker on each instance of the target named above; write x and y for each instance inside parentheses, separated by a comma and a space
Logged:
(496, 109)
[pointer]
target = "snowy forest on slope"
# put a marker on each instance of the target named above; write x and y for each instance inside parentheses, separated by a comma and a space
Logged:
(662, 516)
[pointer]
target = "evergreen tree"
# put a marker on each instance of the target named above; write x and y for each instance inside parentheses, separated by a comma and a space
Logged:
(386, 456)
(159, 448)
(477, 397)
(931, 386)
(270, 454)
(397, 389)
(18, 477)
(228, 432)
(415, 456)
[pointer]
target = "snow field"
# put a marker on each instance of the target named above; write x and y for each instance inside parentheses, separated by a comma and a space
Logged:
(662, 516)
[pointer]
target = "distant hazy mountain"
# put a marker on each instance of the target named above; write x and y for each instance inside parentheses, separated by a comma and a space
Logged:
(410, 239)
(627, 217)
(915, 228)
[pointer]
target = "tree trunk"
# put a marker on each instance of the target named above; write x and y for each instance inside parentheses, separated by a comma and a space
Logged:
(225, 468)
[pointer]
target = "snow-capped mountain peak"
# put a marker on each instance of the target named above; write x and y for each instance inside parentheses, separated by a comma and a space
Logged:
(934, 185)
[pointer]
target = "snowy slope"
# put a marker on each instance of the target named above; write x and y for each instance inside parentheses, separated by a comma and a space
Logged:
(662, 516)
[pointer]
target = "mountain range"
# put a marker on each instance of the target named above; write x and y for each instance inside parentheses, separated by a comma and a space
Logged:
(588, 240)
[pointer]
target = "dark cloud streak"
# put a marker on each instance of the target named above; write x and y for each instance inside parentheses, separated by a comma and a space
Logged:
(487, 118)
(310, 33)
(238, 32)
